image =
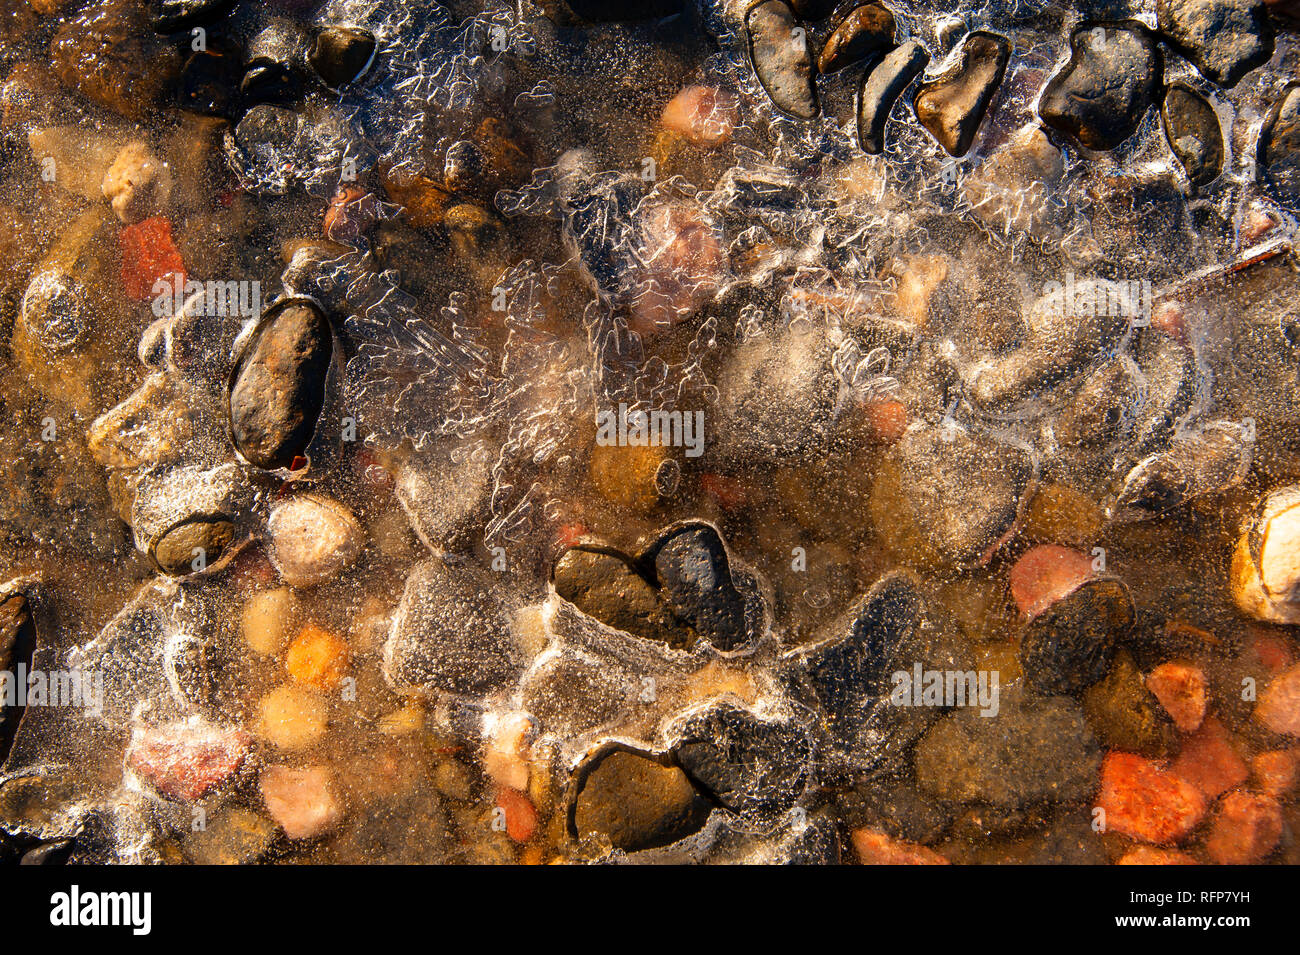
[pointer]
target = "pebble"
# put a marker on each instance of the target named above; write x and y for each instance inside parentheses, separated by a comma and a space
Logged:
(1265, 572)
(1069, 646)
(278, 388)
(342, 54)
(1279, 142)
(1226, 39)
(1145, 801)
(138, 184)
(782, 58)
(1275, 772)
(271, 62)
(625, 475)
(1245, 829)
(1150, 855)
(506, 751)
(1101, 95)
(301, 801)
(313, 539)
(681, 266)
(317, 658)
(1123, 712)
(1181, 689)
(878, 848)
(293, 718)
(693, 572)
(188, 760)
(952, 105)
(1209, 761)
(1279, 703)
(108, 54)
(881, 87)
(520, 815)
(704, 115)
(452, 632)
(265, 620)
(607, 587)
(171, 15)
(746, 764)
(149, 256)
(1010, 189)
(1033, 750)
(1046, 573)
(865, 31)
(235, 836)
(634, 800)
(1194, 134)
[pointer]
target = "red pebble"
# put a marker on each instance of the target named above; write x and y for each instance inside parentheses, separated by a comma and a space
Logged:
(1150, 855)
(1246, 828)
(1275, 772)
(148, 255)
(188, 760)
(886, 419)
(521, 817)
(876, 848)
(1272, 651)
(1180, 688)
(1145, 801)
(1279, 704)
(727, 491)
(1045, 574)
(1210, 762)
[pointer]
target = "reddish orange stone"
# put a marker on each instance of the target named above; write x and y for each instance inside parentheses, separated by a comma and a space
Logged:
(1180, 688)
(1150, 855)
(727, 491)
(1045, 574)
(877, 848)
(886, 419)
(1209, 761)
(148, 255)
(1275, 772)
(1145, 801)
(521, 817)
(1246, 828)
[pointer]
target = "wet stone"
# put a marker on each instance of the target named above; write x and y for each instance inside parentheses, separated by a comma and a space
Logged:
(1033, 751)
(278, 388)
(170, 15)
(1279, 142)
(782, 58)
(864, 32)
(1101, 94)
(341, 54)
(451, 631)
(951, 106)
(1192, 128)
(607, 587)
(1123, 713)
(271, 69)
(881, 87)
(1069, 646)
(694, 576)
(1226, 39)
(634, 800)
(747, 764)
(180, 549)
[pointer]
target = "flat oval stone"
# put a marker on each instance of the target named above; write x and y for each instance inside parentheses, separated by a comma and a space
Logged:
(635, 800)
(1279, 142)
(191, 546)
(1069, 646)
(782, 58)
(881, 88)
(951, 106)
(1226, 39)
(866, 30)
(1100, 96)
(278, 386)
(1192, 128)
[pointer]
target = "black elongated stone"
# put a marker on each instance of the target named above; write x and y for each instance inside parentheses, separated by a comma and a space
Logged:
(881, 88)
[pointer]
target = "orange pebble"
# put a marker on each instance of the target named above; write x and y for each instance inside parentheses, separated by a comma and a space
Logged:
(886, 419)
(1210, 762)
(876, 848)
(1045, 574)
(1143, 800)
(1246, 828)
(1180, 688)
(1275, 772)
(521, 817)
(1150, 855)
(317, 658)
